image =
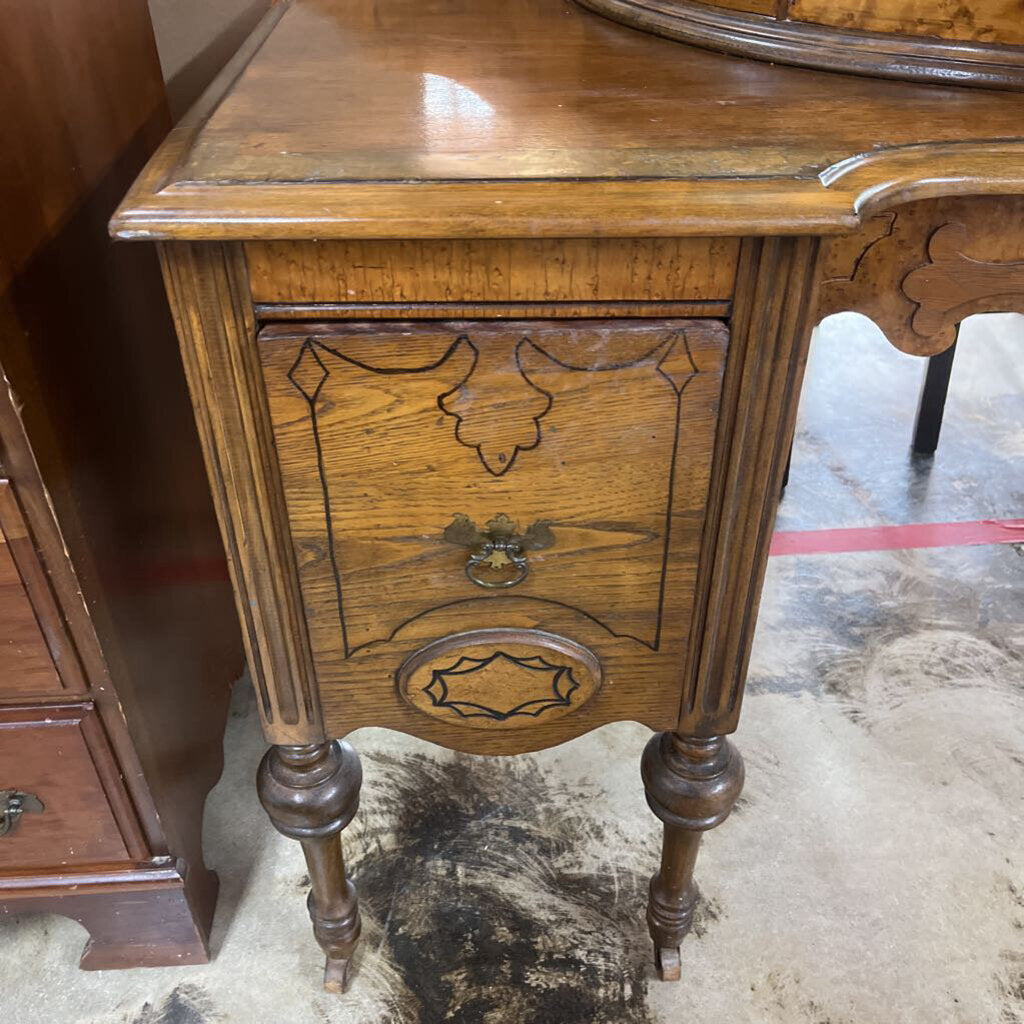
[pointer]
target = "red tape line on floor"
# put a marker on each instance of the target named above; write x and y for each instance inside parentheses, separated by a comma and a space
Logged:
(896, 538)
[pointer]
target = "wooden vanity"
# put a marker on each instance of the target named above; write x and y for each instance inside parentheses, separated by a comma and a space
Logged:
(495, 317)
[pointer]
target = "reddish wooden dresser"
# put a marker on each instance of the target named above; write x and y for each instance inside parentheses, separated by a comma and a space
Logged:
(118, 638)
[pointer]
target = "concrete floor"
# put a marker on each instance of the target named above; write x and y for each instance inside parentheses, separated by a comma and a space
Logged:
(873, 872)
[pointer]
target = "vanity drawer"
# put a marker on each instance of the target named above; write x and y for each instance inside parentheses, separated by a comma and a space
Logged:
(522, 270)
(56, 754)
(481, 507)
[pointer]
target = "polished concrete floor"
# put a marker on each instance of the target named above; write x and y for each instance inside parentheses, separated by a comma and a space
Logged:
(872, 873)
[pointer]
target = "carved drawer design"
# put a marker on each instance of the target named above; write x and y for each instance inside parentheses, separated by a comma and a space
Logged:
(543, 479)
(495, 678)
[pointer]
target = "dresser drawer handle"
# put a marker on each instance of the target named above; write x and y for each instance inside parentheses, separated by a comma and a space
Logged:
(499, 549)
(13, 804)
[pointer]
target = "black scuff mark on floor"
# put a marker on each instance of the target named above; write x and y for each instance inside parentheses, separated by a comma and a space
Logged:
(477, 871)
(184, 1004)
(1010, 985)
(706, 915)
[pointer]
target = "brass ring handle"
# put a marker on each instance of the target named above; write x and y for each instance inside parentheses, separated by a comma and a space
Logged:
(13, 804)
(484, 557)
(500, 548)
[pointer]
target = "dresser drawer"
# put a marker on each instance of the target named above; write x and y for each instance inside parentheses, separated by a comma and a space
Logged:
(496, 525)
(26, 665)
(56, 754)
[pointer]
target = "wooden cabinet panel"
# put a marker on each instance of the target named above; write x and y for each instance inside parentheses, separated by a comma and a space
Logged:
(406, 447)
(495, 270)
(25, 662)
(55, 753)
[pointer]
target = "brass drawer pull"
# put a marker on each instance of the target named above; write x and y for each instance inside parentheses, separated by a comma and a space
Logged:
(498, 549)
(13, 804)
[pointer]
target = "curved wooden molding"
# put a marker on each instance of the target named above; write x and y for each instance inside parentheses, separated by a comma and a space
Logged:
(884, 178)
(831, 202)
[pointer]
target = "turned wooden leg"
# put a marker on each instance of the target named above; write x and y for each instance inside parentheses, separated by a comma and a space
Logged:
(311, 793)
(691, 784)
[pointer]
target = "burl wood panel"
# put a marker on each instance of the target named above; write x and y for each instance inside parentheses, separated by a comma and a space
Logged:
(766, 7)
(988, 21)
(498, 270)
(52, 752)
(601, 429)
(25, 662)
(919, 270)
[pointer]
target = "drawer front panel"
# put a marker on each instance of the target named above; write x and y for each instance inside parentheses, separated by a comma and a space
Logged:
(26, 665)
(505, 271)
(532, 476)
(52, 753)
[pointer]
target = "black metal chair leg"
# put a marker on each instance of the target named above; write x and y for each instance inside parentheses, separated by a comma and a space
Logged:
(933, 402)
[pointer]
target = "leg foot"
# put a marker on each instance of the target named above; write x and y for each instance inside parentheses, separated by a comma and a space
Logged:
(336, 976)
(691, 785)
(311, 793)
(668, 963)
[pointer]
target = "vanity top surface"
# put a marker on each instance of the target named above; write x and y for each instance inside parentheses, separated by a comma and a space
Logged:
(336, 109)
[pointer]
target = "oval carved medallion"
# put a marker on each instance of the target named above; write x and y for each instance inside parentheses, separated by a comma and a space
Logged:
(500, 678)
